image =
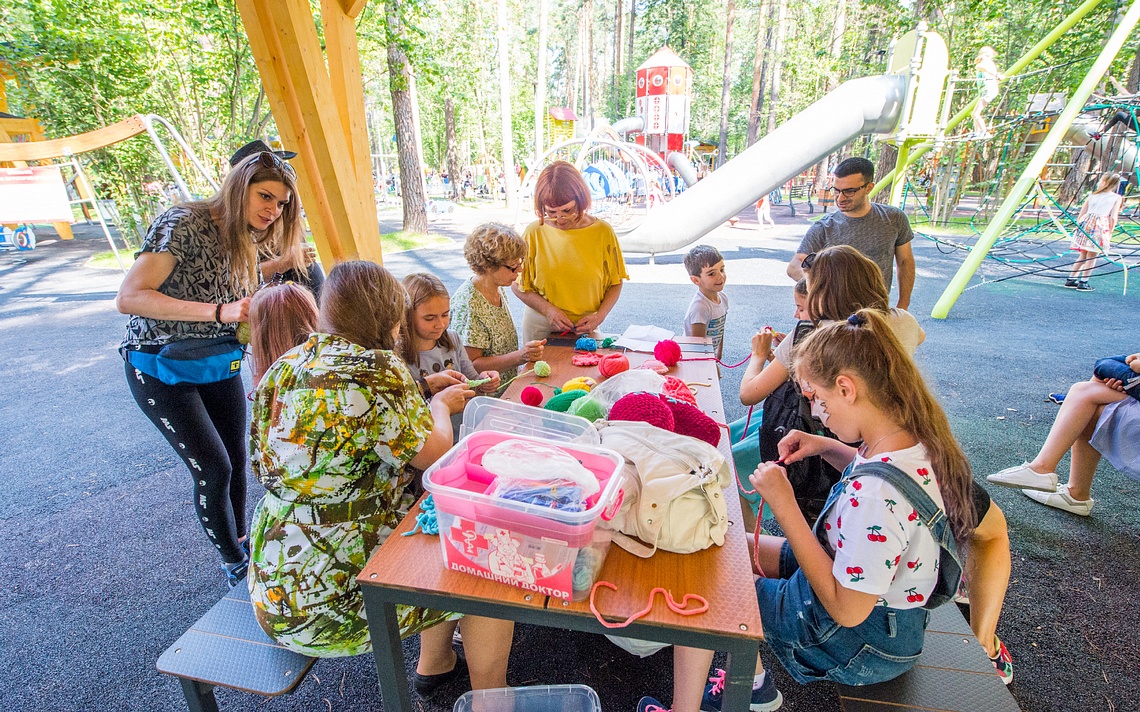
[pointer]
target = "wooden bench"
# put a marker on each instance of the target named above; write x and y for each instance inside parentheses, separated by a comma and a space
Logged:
(953, 674)
(227, 647)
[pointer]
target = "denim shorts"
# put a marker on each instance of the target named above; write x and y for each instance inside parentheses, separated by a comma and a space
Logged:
(813, 647)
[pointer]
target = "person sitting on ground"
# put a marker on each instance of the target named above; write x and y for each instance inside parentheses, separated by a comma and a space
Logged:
(881, 232)
(573, 273)
(1093, 235)
(281, 317)
(479, 312)
(338, 424)
(708, 311)
(1097, 418)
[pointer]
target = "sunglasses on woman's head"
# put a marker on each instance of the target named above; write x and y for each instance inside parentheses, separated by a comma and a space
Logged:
(268, 159)
(809, 261)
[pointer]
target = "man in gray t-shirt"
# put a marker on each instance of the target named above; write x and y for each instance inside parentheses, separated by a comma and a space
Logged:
(880, 232)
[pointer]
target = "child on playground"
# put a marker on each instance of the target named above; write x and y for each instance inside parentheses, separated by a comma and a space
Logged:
(844, 602)
(764, 212)
(987, 78)
(708, 309)
(427, 345)
(1095, 224)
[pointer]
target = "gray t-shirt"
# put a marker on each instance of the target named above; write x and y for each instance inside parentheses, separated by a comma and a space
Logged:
(876, 235)
(438, 358)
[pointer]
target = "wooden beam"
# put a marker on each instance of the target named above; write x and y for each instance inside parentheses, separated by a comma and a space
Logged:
(80, 143)
(348, 93)
(352, 8)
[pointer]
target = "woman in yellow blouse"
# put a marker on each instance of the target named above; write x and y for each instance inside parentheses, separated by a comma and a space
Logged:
(574, 269)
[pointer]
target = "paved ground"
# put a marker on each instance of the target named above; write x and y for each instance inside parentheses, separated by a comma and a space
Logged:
(105, 567)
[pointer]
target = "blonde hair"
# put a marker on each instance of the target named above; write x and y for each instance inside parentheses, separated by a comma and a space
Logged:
(865, 346)
(281, 316)
(420, 287)
(492, 245)
(363, 303)
(238, 242)
(841, 281)
(1108, 182)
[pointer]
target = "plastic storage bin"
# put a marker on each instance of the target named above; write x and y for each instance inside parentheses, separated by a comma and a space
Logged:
(549, 551)
(545, 698)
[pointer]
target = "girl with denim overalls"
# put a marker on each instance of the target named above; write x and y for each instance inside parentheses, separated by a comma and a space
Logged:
(844, 602)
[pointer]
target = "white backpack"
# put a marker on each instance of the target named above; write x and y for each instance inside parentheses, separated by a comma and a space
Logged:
(673, 490)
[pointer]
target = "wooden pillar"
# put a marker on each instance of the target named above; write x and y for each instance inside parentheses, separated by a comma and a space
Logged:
(317, 119)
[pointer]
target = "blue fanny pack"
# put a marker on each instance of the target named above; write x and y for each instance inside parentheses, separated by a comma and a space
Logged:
(192, 360)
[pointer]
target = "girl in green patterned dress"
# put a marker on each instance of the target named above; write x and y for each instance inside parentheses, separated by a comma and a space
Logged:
(336, 423)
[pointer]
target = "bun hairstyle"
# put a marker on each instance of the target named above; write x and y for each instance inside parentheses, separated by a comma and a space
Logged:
(420, 287)
(841, 281)
(865, 347)
(281, 316)
(363, 303)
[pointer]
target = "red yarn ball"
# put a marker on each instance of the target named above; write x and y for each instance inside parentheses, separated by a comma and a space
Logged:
(667, 352)
(689, 420)
(531, 396)
(647, 407)
(675, 388)
(612, 365)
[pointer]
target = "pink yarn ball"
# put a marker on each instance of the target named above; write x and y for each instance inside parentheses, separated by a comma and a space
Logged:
(531, 396)
(676, 389)
(612, 365)
(654, 365)
(689, 420)
(647, 407)
(667, 352)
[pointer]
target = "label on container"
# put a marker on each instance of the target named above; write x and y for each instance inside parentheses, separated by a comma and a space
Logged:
(501, 555)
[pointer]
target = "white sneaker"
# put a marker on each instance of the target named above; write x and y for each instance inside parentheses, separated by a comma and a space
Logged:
(1023, 477)
(1061, 499)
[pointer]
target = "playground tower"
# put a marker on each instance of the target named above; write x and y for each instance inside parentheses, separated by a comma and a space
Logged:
(664, 92)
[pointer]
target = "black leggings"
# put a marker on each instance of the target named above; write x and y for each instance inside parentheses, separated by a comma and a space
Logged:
(1122, 117)
(206, 426)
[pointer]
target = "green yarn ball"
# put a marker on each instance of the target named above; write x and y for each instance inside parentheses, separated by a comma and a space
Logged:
(607, 342)
(587, 408)
(561, 402)
(541, 369)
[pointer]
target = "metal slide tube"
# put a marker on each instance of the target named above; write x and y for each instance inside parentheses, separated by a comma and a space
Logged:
(684, 168)
(866, 105)
(1034, 52)
(1028, 177)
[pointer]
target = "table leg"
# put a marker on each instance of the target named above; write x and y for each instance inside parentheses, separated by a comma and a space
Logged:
(738, 673)
(387, 651)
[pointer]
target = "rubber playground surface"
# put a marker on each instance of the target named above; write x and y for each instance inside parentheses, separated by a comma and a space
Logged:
(105, 568)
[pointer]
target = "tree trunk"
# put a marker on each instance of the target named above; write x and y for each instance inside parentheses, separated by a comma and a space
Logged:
(887, 161)
(540, 85)
(726, 84)
(588, 65)
(399, 81)
(777, 64)
(1133, 83)
(510, 178)
(632, 25)
(454, 170)
(618, 15)
(759, 72)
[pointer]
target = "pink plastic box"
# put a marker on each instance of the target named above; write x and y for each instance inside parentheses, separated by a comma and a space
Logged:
(548, 551)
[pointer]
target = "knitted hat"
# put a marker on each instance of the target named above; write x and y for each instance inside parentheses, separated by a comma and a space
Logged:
(647, 407)
(689, 420)
(675, 388)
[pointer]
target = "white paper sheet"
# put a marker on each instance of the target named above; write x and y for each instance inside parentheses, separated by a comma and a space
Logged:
(642, 338)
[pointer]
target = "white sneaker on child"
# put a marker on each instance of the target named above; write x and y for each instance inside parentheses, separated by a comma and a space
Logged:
(1023, 477)
(1061, 499)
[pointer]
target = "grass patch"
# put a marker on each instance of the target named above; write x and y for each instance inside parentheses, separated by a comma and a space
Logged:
(401, 240)
(106, 260)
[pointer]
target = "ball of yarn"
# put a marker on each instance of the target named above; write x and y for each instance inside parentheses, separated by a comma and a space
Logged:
(581, 383)
(647, 407)
(561, 402)
(675, 388)
(587, 408)
(585, 343)
(652, 364)
(607, 342)
(531, 396)
(541, 369)
(667, 352)
(612, 365)
(585, 359)
(689, 420)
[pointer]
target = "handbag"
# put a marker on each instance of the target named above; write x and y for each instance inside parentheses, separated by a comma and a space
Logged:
(673, 490)
(192, 360)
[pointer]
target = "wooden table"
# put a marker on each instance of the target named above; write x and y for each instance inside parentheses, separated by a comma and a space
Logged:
(409, 570)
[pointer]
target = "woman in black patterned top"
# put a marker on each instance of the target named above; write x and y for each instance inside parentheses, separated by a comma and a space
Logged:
(192, 280)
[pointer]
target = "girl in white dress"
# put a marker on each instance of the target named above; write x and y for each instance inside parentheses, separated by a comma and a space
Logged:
(1095, 224)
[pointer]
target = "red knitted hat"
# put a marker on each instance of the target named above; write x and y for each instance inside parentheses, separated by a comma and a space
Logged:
(689, 420)
(647, 407)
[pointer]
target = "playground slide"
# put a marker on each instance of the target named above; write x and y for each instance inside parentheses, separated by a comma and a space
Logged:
(866, 105)
(1079, 134)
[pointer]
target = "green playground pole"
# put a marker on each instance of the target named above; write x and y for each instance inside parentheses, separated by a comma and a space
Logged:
(1036, 164)
(1034, 52)
(900, 170)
